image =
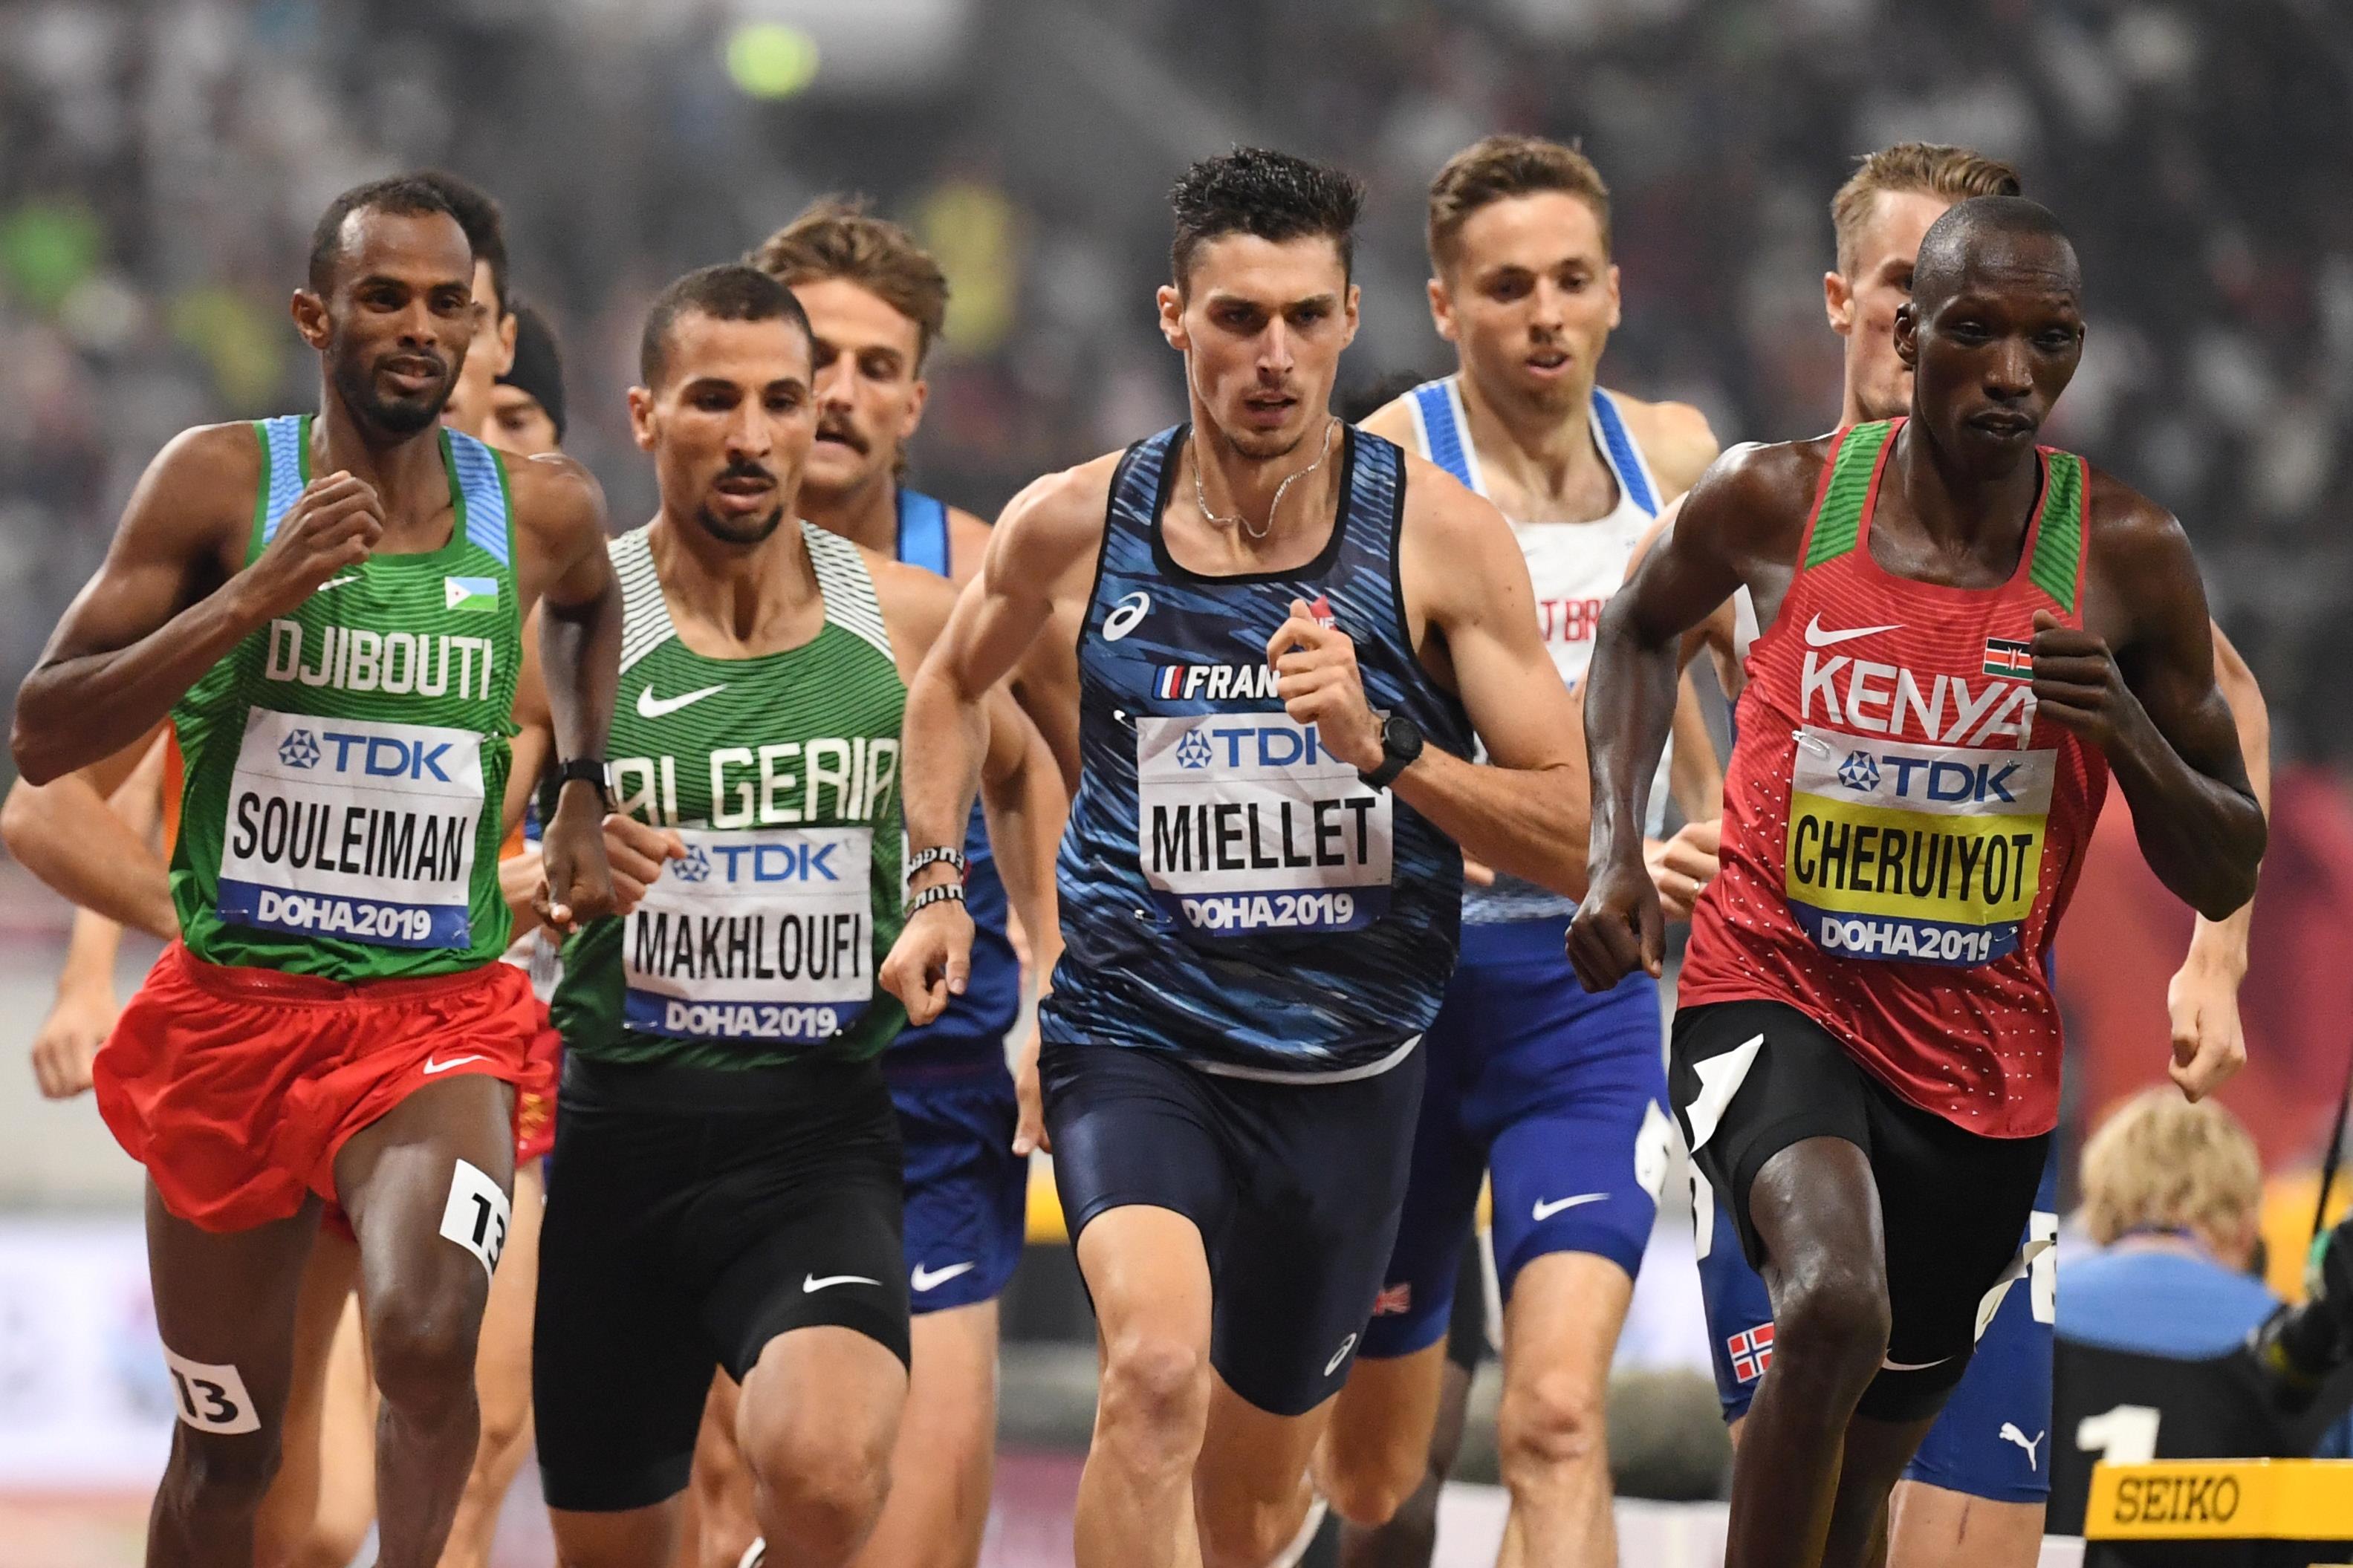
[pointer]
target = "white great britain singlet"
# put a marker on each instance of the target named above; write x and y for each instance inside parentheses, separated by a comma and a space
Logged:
(1576, 568)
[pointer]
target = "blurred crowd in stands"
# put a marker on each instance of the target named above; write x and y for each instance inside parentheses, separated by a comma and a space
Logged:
(161, 163)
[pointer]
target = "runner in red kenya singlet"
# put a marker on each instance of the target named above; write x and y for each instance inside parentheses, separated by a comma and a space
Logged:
(1965, 634)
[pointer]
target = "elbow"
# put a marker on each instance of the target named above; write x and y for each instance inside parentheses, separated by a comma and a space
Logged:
(16, 821)
(2232, 888)
(39, 760)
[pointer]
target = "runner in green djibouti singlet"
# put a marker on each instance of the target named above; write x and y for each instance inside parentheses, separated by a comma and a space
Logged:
(328, 609)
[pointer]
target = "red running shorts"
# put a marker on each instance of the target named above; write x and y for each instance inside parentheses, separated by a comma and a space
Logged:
(237, 1087)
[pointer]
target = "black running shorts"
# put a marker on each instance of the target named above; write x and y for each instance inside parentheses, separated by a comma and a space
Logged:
(1750, 1078)
(1295, 1186)
(693, 1215)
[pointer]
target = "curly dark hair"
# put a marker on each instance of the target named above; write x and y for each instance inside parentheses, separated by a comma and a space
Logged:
(1257, 191)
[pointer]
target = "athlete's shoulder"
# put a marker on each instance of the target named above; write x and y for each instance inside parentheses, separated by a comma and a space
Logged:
(1392, 421)
(2118, 517)
(1755, 499)
(554, 489)
(1675, 438)
(1436, 499)
(1057, 517)
(206, 463)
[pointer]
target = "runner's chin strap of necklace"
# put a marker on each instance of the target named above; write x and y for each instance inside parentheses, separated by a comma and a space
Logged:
(1201, 497)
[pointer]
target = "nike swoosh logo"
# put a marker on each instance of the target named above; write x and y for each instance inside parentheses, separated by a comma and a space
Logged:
(1545, 1211)
(432, 1067)
(652, 706)
(925, 1280)
(1819, 636)
(1887, 1365)
(335, 583)
(811, 1284)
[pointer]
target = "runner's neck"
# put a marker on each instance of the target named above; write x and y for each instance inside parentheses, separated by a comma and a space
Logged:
(737, 601)
(1543, 455)
(865, 514)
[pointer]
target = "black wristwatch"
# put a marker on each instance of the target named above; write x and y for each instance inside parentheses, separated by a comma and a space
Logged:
(1401, 744)
(590, 770)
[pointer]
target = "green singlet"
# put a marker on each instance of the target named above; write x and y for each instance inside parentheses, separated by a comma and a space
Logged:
(781, 773)
(342, 770)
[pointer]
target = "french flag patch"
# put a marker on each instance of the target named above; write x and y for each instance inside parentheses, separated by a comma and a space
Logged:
(1752, 1352)
(1171, 683)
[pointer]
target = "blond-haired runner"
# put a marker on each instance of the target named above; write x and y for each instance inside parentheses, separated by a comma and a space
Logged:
(1557, 1096)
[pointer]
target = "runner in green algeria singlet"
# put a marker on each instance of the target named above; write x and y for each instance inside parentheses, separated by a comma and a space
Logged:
(781, 775)
(343, 767)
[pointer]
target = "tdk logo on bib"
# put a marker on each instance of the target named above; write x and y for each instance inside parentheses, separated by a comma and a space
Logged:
(352, 828)
(1246, 824)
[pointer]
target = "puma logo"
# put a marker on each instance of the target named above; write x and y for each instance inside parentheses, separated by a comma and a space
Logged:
(2011, 1434)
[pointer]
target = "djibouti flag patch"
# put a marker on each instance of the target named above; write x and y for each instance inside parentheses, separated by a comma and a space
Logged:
(2004, 656)
(479, 595)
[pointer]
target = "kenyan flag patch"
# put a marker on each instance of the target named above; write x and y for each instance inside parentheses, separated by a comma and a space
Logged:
(2009, 658)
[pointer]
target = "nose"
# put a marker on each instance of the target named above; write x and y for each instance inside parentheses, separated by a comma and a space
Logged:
(834, 383)
(1547, 307)
(2008, 375)
(748, 436)
(1274, 355)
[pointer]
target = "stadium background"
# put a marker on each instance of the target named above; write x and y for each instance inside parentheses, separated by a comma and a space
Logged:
(161, 161)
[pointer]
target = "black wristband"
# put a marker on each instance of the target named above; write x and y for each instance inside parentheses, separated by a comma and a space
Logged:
(945, 893)
(935, 855)
(590, 771)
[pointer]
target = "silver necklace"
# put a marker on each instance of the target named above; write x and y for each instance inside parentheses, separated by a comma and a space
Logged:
(1201, 497)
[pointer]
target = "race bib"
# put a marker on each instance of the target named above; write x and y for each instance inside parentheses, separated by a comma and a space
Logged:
(1245, 824)
(352, 828)
(761, 935)
(1918, 853)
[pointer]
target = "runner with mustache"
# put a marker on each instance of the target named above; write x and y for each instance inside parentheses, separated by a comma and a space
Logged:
(337, 658)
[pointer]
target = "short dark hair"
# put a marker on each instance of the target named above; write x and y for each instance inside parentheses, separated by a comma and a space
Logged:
(1498, 168)
(403, 195)
(538, 367)
(1273, 195)
(1951, 243)
(478, 213)
(730, 292)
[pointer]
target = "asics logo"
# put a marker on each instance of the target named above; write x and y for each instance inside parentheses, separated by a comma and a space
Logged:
(2011, 1434)
(930, 1280)
(432, 1067)
(1545, 1211)
(652, 706)
(1820, 636)
(811, 1284)
(1339, 1355)
(1125, 614)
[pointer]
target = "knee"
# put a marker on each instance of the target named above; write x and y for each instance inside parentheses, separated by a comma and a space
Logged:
(421, 1338)
(1248, 1537)
(1368, 1488)
(1551, 1421)
(226, 1476)
(1153, 1383)
(818, 1499)
(1835, 1317)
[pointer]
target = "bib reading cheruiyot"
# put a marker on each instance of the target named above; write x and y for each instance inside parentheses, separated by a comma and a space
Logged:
(340, 773)
(1901, 830)
(780, 775)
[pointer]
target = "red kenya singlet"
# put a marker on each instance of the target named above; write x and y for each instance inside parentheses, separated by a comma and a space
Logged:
(1900, 834)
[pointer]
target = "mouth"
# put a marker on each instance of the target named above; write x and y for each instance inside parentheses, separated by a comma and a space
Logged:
(743, 493)
(1268, 410)
(2002, 424)
(1548, 363)
(412, 373)
(847, 440)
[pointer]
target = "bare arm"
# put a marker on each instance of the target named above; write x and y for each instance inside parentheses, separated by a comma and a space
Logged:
(167, 605)
(563, 513)
(2209, 1043)
(2152, 708)
(1630, 693)
(99, 852)
(1465, 577)
(1045, 533)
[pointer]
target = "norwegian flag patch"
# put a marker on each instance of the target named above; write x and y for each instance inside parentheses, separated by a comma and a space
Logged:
(2009, 658)
(1752, 1352)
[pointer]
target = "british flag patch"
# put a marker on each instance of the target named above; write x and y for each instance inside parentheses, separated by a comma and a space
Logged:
(1395, 1301)
(1752, 1352)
